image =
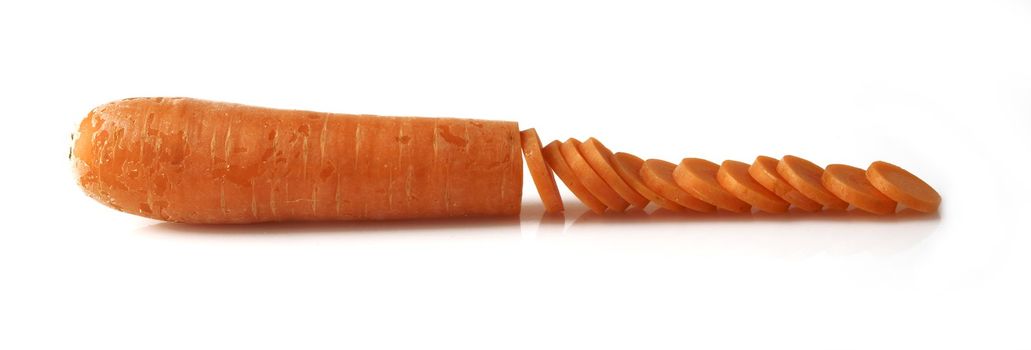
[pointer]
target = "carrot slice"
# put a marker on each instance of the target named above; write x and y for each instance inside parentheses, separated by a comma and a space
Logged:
(553, 154)
(733, 176)
(658, 175)
(628, 166)
(764, 171)
(805, 176)
(589, 178)
(542, 176)
(600, 159)
(698, 177)
(850, 184)
(903, 186)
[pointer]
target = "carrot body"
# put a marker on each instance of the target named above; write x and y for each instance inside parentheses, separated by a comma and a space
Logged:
(542, 176)
(733, 176)
(196, 161)
(850, 184)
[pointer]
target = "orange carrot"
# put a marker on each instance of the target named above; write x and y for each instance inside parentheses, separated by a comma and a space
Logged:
(600, 159)
(734, 178)
(195, 161)
(698, 177)
(629, 168)
(553, 154)
(658, 175)
(805, 176)
(764, 171)
(903, 187)
(850, 184)
(589, 178)
(540, 172)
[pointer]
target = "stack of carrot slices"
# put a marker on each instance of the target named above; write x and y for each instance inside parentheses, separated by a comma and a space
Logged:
(606, 181)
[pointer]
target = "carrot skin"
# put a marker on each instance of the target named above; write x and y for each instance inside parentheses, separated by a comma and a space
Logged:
(196, 161)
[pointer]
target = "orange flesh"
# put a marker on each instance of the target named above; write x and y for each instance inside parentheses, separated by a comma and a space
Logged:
(600, 159)
(542, 176)
(903, 187)
(553, 154)
(196, 161)
(628, 166)
(734, 178)
(806, 177)
(698, 177)
(850, 184)
(589, 178)
(764, 171)
(658, 176)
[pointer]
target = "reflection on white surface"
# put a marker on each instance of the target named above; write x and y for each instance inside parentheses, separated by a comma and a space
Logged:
(796, 234)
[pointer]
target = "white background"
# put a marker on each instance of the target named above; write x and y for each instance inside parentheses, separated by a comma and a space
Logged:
(939, 87)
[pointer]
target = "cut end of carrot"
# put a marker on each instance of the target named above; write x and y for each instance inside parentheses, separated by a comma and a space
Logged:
(600, 159)
(734, 178)
(558, 163)
(589, 178)
(540, 172)
(764, 171)
(806, 177)
(658, 175)
(629, 168)
(850, 184)
(698, 177)
(903, 187)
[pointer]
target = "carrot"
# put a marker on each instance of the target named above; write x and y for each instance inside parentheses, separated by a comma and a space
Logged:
(540, 172)
(698, 177)
(764, 171)
(903, 187)
(553, 154)
(658, 175)
(850, 184)
(600, 159)
(733, 176)
(589, 178)
(196, 161)
(629, 168)
(805, 176)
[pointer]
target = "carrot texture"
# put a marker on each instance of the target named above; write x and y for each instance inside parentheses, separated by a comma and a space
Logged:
(196, 161)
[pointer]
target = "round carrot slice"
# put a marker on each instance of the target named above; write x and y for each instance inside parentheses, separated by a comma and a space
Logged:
(903, 187)
(542, 176)
(733, 176)
(628, 166)
(764, 171)
(658, 176)
(553, 155)
(600, 159)
(805, 176)
(589, 178)
(850, 184)
(698, 177)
